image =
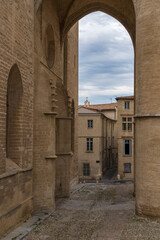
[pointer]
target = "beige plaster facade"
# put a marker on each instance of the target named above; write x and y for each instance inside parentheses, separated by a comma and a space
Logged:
(39, 57)
(125, 131)
(97, 142)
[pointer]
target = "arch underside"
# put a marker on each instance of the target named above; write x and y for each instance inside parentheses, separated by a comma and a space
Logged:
(122, 10)
(71, 11)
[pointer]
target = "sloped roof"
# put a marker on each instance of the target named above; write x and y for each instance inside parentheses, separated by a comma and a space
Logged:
(101, 107)
(97, 111)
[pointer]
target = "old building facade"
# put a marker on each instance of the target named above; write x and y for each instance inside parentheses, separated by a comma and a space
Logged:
(38, 103)
(125, 131)
(97, 141)
(39, 56)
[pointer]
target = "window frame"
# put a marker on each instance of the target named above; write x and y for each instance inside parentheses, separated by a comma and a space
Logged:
(130, 147)
(89, 123)
(126, 105)
(86, 169)
(89, 144)
(130, 167)
(126, 122)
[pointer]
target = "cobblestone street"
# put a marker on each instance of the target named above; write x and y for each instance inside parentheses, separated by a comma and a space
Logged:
(97, 212)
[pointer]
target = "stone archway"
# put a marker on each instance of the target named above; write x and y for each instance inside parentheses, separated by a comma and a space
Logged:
(142, 20)
(142, 26)
(123, 11)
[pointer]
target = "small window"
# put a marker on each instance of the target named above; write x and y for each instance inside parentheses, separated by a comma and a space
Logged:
(127, 147)
(90, 123)
(127, 167)
(89, 144)
(124, 126)
(86, 169)
(127, 124)
(126, 105)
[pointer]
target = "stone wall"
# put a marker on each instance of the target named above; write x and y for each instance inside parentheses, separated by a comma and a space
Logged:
(48, 70)
(72, 88)
(53, 102)
(56, 61)
(16, 125)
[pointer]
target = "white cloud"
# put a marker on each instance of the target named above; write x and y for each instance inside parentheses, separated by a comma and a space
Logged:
(114, 92)
(106, 58)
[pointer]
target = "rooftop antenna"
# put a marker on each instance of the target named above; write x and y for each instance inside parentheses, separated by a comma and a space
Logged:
(111, 100)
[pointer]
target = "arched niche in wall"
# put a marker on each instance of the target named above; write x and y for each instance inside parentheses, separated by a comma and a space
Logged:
(49, 46)
(14, 117)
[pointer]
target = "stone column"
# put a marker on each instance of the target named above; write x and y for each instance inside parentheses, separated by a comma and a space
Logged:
(147, 109)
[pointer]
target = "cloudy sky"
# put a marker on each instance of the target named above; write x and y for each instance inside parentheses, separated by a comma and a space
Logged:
(106, 59)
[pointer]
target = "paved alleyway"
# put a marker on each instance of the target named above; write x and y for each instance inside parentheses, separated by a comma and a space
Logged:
(97, 212)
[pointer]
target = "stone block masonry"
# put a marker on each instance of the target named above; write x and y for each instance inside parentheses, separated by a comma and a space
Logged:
(16, 47)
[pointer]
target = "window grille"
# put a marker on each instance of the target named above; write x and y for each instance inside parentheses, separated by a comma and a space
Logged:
(127, 167)
(126, 124)
(86, 169)
(90, 123)
(89, 144)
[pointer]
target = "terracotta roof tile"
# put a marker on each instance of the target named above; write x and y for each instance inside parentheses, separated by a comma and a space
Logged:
(101, 107)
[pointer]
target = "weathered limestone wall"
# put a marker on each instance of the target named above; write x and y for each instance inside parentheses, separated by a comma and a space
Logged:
(67, 101)
(48, 68)
(16, 201)
(104, 152)
(53, 107)
(147, 132)
(72, 88)
(85, 156)
(16, 47)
